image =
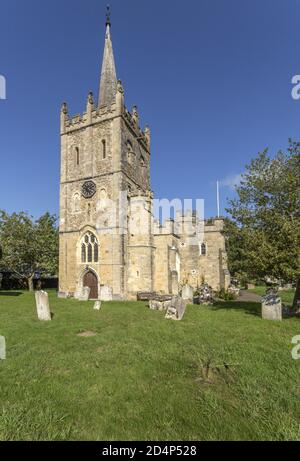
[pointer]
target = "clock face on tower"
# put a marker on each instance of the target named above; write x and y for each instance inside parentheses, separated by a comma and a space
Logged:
(88, 189)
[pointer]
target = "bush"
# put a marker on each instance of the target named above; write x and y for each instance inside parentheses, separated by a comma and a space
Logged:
(227, 296)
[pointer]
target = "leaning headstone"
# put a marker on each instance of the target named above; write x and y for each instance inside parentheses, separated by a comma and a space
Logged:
(85, 294)
(42, 305)
(97, 306)
(176, 308)
(2, 348)
(106, 293)
(187, 293)
(271, 306)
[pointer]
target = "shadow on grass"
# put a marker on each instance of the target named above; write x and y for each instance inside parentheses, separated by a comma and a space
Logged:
(249, 307)
(10, 293)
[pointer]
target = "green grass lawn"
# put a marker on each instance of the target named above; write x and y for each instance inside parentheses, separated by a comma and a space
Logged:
(287, 296)
(142, 377)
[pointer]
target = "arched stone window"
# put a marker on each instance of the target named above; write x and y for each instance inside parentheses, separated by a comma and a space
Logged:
(103, 149)
(203, 249)
(89, 248)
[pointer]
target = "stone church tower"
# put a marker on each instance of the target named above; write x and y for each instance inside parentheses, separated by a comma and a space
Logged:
(105, 162)
(109, 241)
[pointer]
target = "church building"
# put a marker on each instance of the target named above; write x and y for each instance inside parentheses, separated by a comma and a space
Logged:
(109, 240)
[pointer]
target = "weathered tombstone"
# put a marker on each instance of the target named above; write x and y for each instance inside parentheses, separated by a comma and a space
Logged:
(145, 296)
(187, 293)
(62, 294)
(85, 294)
(2, 348)
(250, 286)
(176, 308)
(97, 306)
(42, 306)
(271, 306)
(159, 305)
(106, 293)
(77, 294)
(154, 305)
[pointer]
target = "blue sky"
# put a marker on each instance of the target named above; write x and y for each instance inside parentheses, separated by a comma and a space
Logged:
(211, 77)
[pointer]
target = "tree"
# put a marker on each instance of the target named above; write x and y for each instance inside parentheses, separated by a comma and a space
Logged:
(27, 246)
(266, 217)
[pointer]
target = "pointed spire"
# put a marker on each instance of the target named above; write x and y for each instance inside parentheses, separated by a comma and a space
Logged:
(108, 83)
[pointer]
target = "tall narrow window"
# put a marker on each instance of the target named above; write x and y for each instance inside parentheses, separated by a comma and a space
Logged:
(89, 248)
(104, 149)
(90, 253)
(96, 253)
(77, 155)
(83, 253)
(203, 249)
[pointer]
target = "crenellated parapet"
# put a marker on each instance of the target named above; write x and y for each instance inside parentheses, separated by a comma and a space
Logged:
(184, 223)
(168, 228)
(94, 115)
(132, 120)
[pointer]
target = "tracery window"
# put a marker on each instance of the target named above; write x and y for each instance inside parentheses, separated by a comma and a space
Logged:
(89, 248)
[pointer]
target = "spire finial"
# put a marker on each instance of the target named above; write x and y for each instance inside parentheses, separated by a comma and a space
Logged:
(108, 13)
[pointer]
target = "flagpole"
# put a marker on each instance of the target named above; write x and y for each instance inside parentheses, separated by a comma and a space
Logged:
(218, 199)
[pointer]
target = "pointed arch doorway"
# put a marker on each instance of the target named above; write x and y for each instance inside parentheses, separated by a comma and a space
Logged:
(90, 280)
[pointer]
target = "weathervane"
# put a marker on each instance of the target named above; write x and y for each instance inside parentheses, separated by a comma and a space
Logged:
(108, 12)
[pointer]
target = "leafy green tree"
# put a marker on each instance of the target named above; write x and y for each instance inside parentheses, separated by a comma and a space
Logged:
(266, 217)
(28, 246)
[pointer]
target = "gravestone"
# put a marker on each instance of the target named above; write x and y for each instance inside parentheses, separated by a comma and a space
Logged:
(145, 296)
(187, 293)
(156, 305)
(176, 308)
(271, 306)
(105, 293)
(2, 348)
(97, 306)
(77, 293)
(84, 295)
(42, 306)
(63, 294)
